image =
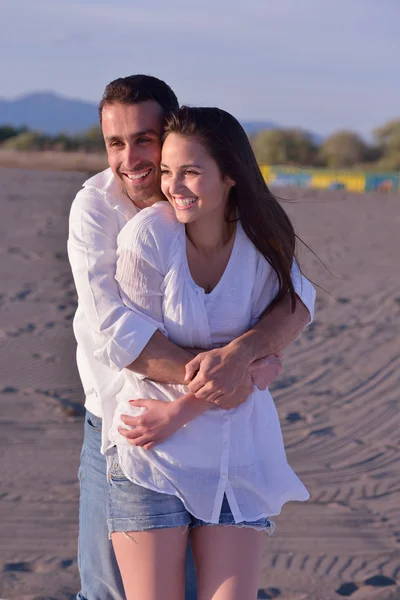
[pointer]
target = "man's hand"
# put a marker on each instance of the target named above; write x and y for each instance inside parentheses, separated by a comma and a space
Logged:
(217, 374)
(239, 397)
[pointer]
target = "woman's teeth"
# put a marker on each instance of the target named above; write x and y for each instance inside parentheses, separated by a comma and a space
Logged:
(184, 202)
(138, 176)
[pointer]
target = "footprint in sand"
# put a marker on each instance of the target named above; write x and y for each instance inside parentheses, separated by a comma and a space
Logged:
(294, 417)
(45, 566)
(376, 581)
(29, 328)
(269, 593)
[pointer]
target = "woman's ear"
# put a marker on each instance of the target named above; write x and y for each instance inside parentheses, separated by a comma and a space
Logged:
(230, 183)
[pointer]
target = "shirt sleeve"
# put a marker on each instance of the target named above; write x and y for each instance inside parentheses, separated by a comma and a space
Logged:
(119, 332)
(267, 286)
(140, 266)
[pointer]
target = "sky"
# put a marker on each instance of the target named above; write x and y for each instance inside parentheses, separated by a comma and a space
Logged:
(322, 65)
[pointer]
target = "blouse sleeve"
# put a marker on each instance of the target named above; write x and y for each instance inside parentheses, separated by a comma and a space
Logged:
(142, 258)
(266, 288)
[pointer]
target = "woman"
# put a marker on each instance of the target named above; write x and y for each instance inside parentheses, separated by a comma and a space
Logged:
(204, 266)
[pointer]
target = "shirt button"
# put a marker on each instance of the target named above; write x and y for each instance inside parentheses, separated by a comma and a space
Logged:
(224, 475)
(225, 415)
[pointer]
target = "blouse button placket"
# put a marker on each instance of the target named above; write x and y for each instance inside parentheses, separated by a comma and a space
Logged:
(226, 429)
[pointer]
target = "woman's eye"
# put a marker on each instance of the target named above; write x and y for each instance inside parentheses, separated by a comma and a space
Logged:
(190, 172)
(164, 171)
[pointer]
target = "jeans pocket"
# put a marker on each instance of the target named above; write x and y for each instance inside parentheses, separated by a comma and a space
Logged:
(94, 422)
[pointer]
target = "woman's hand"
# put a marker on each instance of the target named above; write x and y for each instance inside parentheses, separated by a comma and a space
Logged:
(160, 420)
(265, 370)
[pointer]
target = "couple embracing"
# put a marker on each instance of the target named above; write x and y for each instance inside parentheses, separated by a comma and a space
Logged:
(188, 289)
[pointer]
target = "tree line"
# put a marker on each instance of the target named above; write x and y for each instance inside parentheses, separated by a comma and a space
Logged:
(25, 139)
(343, 149)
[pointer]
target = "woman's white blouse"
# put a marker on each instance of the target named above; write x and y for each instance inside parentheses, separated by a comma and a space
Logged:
(239, 452)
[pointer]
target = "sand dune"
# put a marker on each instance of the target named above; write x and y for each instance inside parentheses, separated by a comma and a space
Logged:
(338, 399)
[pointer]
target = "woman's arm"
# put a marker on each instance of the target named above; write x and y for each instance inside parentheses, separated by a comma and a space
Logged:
(142, 264)
(162, 419)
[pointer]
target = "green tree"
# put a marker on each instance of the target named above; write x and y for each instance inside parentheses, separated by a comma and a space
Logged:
(64, 143)
(283, 146)
(343, 149)
(388, 139)
(301, 148)
(8, 131)
(91, 140)
(28, 140)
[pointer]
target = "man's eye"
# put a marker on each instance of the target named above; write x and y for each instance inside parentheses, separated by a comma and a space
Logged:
(190, 172)
(143, 140)
(114, 144)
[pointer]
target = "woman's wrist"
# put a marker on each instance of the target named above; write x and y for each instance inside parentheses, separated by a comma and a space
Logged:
(188, 407)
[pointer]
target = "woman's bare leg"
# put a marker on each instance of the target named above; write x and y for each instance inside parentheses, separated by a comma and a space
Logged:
(228, 561)
(152, 563)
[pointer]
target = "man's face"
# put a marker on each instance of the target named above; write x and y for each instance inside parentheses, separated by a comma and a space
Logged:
(132, 134)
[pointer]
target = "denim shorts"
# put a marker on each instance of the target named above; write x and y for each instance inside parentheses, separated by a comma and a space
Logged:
(132, 507)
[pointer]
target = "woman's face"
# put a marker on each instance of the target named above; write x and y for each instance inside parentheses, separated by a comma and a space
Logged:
(191, 180)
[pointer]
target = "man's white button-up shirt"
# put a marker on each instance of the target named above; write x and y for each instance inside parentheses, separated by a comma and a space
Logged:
(110, 336)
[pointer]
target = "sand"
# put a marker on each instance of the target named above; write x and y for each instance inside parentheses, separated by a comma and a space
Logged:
(338, 399)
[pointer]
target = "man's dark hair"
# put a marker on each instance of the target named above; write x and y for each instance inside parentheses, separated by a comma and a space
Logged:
(139, 88)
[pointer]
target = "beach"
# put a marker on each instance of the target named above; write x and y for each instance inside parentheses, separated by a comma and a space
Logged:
(338, 399)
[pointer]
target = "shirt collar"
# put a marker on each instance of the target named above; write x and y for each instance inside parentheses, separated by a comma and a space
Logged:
(109, 186)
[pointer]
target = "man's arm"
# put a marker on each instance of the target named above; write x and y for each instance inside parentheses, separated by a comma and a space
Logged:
(163, 361)
(122, 336)
(275, 330)
(119, 333)
(213, 374)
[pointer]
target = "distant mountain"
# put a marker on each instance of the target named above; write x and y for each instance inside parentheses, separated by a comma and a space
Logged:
(52, 113)
(48, 112)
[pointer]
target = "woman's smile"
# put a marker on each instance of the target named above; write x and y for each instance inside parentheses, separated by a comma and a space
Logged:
(184, 203)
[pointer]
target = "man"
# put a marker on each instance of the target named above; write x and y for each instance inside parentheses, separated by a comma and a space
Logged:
(111, 337)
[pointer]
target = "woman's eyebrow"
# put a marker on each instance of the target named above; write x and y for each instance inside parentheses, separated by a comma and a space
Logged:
(187, 166)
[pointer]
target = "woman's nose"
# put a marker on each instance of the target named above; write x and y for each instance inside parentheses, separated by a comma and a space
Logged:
(175, 185)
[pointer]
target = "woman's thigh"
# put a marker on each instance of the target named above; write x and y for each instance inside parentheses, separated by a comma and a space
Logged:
(149, 531)
(228, 561)
(152, 563)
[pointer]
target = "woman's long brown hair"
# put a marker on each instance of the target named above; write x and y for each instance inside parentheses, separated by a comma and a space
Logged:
(263, 219)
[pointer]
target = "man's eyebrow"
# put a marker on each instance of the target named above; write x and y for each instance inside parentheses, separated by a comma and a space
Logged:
(112, 138)
(146, 132)
(116, 138)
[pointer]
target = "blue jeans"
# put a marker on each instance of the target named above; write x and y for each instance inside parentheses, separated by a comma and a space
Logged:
(100, 578)
(133, 507)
